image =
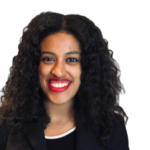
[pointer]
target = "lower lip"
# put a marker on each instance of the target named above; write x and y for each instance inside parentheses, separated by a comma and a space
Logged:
(58, 90)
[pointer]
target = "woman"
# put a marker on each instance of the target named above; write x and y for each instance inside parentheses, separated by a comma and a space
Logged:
(62, 88)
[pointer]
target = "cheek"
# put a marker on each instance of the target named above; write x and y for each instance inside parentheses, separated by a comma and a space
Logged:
(76, 72)
(43, 71)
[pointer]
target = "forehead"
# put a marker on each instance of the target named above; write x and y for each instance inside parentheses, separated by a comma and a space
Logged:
(61, 42)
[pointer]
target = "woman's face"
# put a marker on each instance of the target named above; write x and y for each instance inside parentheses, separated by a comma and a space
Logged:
(60, 67)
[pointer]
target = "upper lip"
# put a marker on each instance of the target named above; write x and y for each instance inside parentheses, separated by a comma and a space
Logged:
(58, 79)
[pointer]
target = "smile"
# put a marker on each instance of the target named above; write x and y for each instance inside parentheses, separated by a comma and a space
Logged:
(58, 86)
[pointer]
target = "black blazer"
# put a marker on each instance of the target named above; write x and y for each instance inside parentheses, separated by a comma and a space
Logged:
(34, 139)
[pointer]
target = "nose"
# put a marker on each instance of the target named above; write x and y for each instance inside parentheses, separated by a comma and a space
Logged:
(59, 69)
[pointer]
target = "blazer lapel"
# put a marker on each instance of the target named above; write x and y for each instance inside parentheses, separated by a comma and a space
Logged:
(35, 135)
(32, 139)
(86, 140)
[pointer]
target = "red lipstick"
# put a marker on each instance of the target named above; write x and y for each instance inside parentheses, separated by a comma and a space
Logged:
(58, 89)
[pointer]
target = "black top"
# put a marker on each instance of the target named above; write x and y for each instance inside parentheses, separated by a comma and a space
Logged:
(64, 141)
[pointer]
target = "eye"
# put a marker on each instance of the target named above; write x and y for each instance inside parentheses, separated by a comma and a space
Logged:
(46, 59)
(71, 59)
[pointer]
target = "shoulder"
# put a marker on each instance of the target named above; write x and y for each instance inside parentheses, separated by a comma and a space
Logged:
(119, 138)
(2, 124)
(3, 133)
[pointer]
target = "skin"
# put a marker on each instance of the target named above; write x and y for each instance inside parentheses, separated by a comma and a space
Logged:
(59, 105)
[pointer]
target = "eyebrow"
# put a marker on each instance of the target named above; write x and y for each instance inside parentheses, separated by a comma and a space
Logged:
(72, 52)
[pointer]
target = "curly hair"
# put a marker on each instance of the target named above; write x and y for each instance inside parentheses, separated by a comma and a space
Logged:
(95, 103)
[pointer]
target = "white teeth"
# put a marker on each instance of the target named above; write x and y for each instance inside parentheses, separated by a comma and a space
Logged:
(59, 85)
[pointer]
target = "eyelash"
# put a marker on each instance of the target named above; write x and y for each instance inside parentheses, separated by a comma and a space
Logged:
(48, 59)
